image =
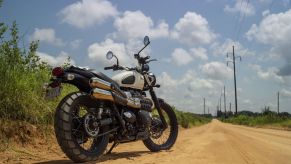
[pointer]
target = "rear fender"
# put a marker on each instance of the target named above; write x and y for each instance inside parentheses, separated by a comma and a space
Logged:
(81, 82)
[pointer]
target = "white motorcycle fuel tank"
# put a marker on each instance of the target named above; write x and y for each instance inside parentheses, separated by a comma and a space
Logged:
(130, 79)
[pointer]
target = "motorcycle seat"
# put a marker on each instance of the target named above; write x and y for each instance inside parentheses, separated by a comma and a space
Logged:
(91, 73)
(106, 78)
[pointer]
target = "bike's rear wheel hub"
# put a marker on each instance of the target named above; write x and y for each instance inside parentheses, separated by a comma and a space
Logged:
(91, 125)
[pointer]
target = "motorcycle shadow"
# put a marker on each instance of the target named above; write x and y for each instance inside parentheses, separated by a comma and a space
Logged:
(105, 157)
(119, 155)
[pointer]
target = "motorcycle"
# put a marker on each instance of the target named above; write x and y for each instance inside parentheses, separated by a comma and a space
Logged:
(111, 110)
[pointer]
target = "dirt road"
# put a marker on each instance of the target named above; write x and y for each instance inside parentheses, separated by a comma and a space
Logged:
(215, 142)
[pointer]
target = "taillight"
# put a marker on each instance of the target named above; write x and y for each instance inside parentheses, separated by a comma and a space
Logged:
(58, 71)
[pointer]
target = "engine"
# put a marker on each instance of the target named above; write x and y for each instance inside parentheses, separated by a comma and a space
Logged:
(138, 120)
(136, 106)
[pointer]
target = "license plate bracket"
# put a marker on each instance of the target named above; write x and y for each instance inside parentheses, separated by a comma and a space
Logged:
(51, 93)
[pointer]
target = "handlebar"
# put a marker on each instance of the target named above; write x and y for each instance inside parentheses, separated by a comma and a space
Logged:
(143, 60)
(115, 67)
(111, 67)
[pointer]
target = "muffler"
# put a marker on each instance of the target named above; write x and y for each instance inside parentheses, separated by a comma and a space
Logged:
(96, 82)
(111, 96)
(102, 94)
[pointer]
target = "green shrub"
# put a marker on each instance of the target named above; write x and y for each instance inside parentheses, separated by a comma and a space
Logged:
(22, 76)
(266, 118)
(187, 119)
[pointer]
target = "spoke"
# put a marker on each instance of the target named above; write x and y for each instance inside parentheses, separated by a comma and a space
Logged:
(159, 136)
(78, 129)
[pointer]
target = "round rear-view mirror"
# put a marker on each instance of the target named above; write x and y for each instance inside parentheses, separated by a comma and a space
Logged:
(109, 55)
(146, 40)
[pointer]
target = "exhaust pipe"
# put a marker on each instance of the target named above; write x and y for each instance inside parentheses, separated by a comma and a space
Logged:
(113, 97)
(102, 94)
(96, 82)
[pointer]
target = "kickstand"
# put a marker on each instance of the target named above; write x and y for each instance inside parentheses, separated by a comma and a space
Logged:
(112, 147)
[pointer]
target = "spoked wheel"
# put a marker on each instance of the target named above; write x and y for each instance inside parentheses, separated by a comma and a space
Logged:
(162, 138)
(77, 129)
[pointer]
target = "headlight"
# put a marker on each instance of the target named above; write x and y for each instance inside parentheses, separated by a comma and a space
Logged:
(145, 68)
(152, 78)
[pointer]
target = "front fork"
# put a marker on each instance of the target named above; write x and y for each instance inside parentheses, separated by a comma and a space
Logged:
(158, 107)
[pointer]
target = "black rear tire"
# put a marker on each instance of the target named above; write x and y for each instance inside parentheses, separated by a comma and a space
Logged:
(173, 127)
(64, 125)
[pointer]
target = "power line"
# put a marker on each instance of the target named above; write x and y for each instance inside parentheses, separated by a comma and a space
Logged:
(241, 21)
(237, 20)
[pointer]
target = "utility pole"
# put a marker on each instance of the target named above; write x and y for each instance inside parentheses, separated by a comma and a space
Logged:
(278, 102)
(208, 110)
(230, 106)
(234, 76)
(224, 101)
(220, 103)
(204, 104)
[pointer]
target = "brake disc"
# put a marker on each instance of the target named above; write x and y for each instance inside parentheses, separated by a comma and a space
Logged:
(91, 125)
(156, 128)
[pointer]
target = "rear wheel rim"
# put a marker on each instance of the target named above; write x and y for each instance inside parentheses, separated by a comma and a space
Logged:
(79, 134)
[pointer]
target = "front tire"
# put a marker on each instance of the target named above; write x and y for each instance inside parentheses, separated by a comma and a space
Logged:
(155, 134)
(68, 138)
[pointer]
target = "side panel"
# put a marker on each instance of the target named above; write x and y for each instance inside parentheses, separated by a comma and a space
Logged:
(128, 80)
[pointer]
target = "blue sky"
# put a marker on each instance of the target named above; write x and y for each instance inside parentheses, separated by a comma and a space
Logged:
(189, 38)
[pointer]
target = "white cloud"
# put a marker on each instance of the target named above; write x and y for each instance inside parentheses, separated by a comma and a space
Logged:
(201, 84)
(285, 93)
(97, 52)
(181, 57)
(186, 92)
(226, 47)
(275, 30)
(134, 24)
(75, 43)
(265, 13)
(199, 53)
(241, 6)
(189, 80)
(46, 35)
(247, 101)
(167, 81)
(86, 13)
(269, 74)
(55, 60)
(193, 29)
(217, 71)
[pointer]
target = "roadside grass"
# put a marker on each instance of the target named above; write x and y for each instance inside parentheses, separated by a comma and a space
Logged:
(188, 120)
(270, 120)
